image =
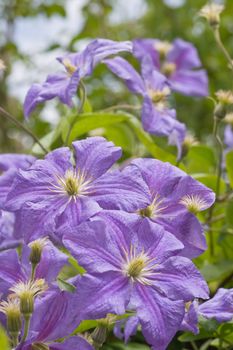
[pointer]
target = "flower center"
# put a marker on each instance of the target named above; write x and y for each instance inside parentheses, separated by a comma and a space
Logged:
(138, 266)
(153, 210)
(193, 203)
(73, 183)
(159, 97)
(69, 66)
(168, 68)
(163, 47)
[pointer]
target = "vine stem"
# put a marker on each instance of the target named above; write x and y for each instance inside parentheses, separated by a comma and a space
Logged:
(10, 117)
(26, 328)
(123, 106)
(220, 44)
(82, 101)
(218, 181)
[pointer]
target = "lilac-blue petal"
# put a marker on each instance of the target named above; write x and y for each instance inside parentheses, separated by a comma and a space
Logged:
(179, 279)
(125, 71)
(144, 47)
(160, 318)
(191, 83)
(95, 155)
(117, 190)
(101, 294)
(74, 343)
(190, 321)
(184, 55)
(220, 307)
(16, 161)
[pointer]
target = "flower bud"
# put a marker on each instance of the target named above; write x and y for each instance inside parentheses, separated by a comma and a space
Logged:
(212, 13)
(188, 142)
(36, 250)
(224, 105)
(11, 309)
(26, 292)
(99, 336)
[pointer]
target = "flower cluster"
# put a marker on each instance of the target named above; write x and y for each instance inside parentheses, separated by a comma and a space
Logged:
(165, 67)
(128, 231)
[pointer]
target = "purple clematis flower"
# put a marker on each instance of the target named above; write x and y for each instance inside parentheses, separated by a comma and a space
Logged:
(9, 165)
(54, 318)
(19, 269)
(7, 231)
(173, 199)
(228, 137)
(77, 66)
(157, 117)
(54, 190)
(137, 270)
(220, 308)
(179, 61)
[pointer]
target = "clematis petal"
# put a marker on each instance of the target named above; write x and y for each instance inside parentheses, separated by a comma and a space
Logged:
(160, 318)
(100, 294)
(143, 47)
(55, 316)
(101, 156)
(179, 279)
(220, 307)
(117, 190)
(184, 55)
(191, 83)
(16, 161)
(125, 71)
(74, 343)
(54, 86)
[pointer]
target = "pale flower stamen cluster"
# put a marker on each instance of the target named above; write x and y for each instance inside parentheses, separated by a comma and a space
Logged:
(212, 13)
(74, 183)
(160, 97)
(193, 203)
(163, 47)
(139, 267)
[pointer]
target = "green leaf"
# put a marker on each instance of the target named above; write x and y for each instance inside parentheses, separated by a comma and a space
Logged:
(90, 121)
(188, 336)
(147, 141)
(122, 346)
(214, 272)
(4, 342)
(229, 211)
(210, 181)
(85, 326)
(200, 158)
(87, 107)
(46, 141)
(63, 285)
(121, 135)
(229, 167)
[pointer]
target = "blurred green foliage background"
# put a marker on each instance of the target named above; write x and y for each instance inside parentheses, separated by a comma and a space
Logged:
(114, 19)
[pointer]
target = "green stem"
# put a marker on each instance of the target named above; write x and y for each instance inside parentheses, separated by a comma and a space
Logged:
(14, 339)
(218, 181)
(121, 106)
(26, 328)
(10, 117)
(33, 271)
(82, 101)
(222, 47)
(194, 346)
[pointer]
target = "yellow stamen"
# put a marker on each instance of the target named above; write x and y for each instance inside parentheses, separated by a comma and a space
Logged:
(193, 203)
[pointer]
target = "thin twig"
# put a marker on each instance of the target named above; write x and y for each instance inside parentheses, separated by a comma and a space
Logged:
(121, 106)
(80, 108)
(222, 47)
(10, 117)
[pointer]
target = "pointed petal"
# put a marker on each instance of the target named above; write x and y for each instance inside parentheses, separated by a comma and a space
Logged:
(160, 318)
(125, 71)
(191, 83)
(179, 279)
(95, 155)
